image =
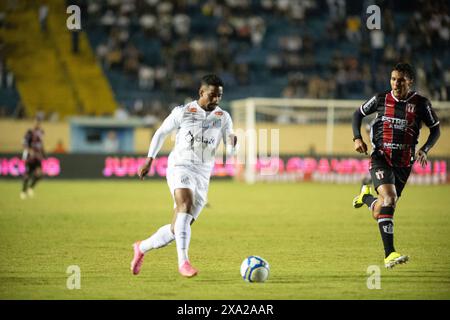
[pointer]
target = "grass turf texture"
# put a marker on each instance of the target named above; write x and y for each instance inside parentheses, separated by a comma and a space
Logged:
(317, 245)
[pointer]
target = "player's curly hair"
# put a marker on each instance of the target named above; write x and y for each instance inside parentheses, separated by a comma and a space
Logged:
(211, 80)
(406, 68)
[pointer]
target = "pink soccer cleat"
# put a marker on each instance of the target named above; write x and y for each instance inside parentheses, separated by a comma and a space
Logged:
(188, 271)
(138, 258)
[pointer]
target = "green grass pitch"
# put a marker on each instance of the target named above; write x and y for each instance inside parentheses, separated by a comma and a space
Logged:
(317, 245)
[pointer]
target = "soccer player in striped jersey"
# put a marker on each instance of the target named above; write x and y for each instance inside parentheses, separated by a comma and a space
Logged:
(33, 154)
(200, 125)
(394, 136)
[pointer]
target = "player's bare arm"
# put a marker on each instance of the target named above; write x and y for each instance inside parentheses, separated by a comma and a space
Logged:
(233, 140)
(422, 158)
(422, 155)
(360, 146)
(145, 168)
(26, 152)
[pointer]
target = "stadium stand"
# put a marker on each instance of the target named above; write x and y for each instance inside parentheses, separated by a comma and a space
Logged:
(156, 50)
(9, 96)
(51, 79)
(153, 52)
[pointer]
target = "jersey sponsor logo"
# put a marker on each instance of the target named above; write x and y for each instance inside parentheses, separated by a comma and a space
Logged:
(379, 174)
(192, 109)
(396, 146)
(396, 123)
(189, 137)
(205, 140)
(199, 139)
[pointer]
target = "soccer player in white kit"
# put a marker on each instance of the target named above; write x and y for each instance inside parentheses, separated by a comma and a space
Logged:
(200, 125)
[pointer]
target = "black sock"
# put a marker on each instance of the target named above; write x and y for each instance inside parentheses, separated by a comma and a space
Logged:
(25, 184)
(368, 199)
(386, 226)
(387, 235)
(34, 180)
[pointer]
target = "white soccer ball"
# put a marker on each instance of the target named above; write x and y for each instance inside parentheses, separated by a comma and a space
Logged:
(255, 269)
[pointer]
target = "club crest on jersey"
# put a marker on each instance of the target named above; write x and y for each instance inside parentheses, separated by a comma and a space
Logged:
(410, 107)
(379, 174)
(192, 109)
(218, 113)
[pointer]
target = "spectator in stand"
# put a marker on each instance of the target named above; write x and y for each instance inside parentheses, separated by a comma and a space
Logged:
(59, 148)
(111, 143)
(182, 36)
(43, 17)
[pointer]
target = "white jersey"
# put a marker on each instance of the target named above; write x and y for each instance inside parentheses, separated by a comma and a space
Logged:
(198, 135)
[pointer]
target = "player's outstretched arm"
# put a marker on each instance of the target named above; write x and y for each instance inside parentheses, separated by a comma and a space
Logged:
(422, 158)
(25, 153)
(233, 139)
(231, 145)
(422, 154)
(168, 125)
(155, 145)
(145, 168)
(359, 145)
(26, 145)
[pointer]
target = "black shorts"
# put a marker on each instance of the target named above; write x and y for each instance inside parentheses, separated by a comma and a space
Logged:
(31, 166)
(382, 173)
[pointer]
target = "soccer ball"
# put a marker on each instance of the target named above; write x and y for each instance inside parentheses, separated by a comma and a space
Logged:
(255, 269)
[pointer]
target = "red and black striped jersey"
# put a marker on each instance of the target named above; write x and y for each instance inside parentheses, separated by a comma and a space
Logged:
(396, 127)
(33, 141)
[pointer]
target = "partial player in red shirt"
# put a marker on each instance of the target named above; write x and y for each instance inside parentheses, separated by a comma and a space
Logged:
(33, 154)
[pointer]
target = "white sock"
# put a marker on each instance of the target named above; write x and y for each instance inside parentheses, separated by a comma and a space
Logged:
(159, 239)
(183, 236)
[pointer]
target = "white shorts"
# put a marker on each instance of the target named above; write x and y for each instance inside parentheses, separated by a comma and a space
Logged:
(185, 177)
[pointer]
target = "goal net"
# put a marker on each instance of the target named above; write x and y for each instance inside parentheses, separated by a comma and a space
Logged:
(304, 139)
